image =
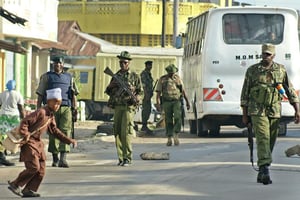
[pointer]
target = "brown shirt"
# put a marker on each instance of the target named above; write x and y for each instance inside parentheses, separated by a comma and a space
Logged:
(35, 145)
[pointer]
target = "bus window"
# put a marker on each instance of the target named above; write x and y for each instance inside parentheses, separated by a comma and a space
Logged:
(232, 29)
(199, 28)
(198, 48)
(253, 28)
(193, 49)
(201, 32)
(193, 33)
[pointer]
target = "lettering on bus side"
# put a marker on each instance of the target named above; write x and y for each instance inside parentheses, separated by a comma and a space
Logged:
(248, 57)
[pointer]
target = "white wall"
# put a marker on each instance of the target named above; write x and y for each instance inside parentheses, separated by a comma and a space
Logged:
(41, 15)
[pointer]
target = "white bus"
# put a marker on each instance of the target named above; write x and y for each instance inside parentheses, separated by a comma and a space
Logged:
(220, 45)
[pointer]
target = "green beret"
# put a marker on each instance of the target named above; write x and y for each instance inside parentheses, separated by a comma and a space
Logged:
(171, 68)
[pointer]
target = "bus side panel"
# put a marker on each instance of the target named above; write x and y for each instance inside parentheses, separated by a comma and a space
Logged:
(193, 81)
(287, 53)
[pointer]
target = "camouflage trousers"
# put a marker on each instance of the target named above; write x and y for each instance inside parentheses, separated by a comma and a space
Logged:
(266, 130)
(146, 106)
(172, 111)
(123, 129)
(63, 119)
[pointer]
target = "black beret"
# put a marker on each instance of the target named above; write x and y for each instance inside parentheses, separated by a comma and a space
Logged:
(148, 62)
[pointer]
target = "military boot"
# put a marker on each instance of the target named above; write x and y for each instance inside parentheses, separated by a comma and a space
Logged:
(169, 142)
(144, 127)
(176, 140)
(265, 177)
(259, 175)
(3, 160)
(146, 130)
(55, 159)
(293, 150)
(63, 160)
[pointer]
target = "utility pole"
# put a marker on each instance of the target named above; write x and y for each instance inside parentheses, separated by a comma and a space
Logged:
(163, 29)
(175, 21)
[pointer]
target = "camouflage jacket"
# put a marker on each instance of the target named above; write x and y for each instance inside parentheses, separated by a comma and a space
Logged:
(170, 87)
(117, 96)
(147, 82)
(259, 91)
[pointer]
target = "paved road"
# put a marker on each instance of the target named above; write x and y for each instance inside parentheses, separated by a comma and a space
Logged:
(200, 168)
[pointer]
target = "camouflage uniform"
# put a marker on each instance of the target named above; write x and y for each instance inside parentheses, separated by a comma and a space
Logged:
(124, 110)
(171, 88)
(147, 81)
(263, 102)
(264, 105)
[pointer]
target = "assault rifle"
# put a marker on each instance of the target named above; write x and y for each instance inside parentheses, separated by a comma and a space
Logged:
(251, 143)
(73, 129)
(182, 112)
(182, 105)
(123, 86)
(74, 114)
(153, 88)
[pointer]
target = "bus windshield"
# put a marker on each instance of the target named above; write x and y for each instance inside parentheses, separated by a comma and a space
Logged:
(253, 28)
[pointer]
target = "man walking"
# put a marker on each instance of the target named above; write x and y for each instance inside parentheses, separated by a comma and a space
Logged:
(170, 89)
(147, 82)
(124, 105)
(63, 80)
(261, 104)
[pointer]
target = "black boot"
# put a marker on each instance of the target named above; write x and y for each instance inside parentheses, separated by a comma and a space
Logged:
(146, 129)
(63, 160)
(3, 160)
(259, 175)
(265, 178)
(55, 159)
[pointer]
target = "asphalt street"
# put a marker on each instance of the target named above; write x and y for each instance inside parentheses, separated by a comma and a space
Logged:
(199, 168)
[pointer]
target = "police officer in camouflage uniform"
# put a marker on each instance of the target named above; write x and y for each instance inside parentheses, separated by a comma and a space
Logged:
(170, 90)
(261, 104)
(147, 82)
(124, 107)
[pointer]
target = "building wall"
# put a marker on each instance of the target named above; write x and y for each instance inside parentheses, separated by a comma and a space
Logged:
(41, 25)
(2, 71)
(41, 15)
(135, 23)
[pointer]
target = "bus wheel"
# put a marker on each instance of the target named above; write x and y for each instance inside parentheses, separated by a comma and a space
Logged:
(215, 131)
(193, 126)
(282, 129)
(201, 132)
(88, 113)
